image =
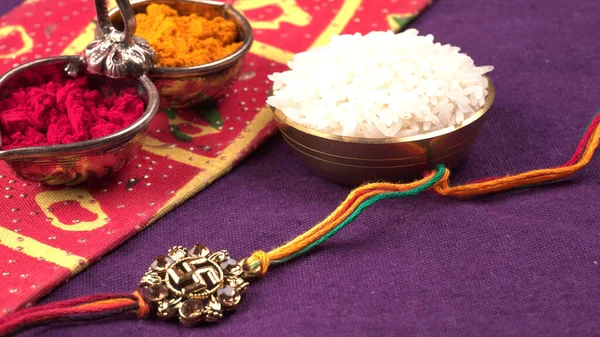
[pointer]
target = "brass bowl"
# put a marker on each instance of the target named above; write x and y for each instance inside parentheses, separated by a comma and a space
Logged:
(75, 163)
(351, 161)
(186, 86)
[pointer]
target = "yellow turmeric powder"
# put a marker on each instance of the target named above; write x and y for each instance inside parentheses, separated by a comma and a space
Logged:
(186, 40)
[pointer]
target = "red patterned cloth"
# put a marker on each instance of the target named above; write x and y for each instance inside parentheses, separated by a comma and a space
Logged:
(49, 234)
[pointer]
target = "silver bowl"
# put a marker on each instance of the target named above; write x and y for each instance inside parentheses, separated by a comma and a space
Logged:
(186, 86)
(75, 163)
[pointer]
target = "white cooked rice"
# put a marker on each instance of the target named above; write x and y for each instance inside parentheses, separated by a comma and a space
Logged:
(380, 85)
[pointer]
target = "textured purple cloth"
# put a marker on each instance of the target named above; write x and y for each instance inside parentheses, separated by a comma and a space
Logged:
(523, 263)
(7, 5)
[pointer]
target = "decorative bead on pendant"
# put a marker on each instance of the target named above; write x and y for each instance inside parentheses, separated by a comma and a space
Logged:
(194, 285)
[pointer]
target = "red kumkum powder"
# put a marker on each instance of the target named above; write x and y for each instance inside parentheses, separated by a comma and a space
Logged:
(63, 111)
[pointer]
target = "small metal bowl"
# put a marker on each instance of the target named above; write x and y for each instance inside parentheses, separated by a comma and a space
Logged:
(186, 86)
(351, 161)
(75, 163)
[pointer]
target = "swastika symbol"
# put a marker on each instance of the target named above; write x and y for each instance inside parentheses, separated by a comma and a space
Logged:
(193, 276)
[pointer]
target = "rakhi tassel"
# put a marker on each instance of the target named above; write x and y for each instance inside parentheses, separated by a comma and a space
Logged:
(365, 195)
(114, 305)
(581, 157)
(77, 310)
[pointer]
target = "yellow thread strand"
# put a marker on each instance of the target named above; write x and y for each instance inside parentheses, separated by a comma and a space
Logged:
(442, 187)
(354, 199)
(336, 218)
(264, 260)
(522, 179)
(144, 308)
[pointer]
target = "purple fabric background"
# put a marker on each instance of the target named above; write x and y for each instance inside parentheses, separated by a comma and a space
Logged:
(7, 5)
(523, 263)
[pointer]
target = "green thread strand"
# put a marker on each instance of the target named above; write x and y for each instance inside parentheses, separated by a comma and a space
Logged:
(388, 195)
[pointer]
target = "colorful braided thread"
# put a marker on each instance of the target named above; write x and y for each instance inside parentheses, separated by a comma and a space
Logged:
(76, 310)
(111, 305)
(366, 195)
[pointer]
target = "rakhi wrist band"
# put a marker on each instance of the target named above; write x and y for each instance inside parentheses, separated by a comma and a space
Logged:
(196, 285)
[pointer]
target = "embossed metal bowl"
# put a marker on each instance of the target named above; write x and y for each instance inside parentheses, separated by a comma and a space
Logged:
(185, 86)
(351, 161)
(75, 163)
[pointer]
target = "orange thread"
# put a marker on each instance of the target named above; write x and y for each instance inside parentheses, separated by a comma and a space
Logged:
(97, 306)
(114, 302)
(522, 179)
(75, 310)
(582, 156)
(264, 260)
(143, 307)
(354, 199)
